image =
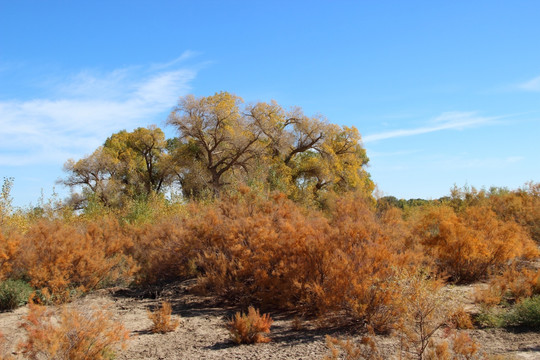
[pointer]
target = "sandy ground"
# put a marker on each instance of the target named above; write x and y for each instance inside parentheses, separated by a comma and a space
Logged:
(201, 334)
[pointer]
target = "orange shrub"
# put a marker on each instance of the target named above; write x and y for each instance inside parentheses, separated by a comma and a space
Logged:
(521, 206)
(513, 285)
(366, 349)
(461, 319)
(161, 319)
(71, 334)
(274, 253)
(161, 252)
(468, 245)
(8, 250)
(60, 256)
(249, 328)
(465, 348)
(425, 310)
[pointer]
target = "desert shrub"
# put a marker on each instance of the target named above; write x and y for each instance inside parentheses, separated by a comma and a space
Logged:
(86, 256)
(161, 319)
(460, 319)
(366, 349)
(274, 253)
(71, 334)
(526, 313)
(521, 206)
(249, 328)
(162, 251)
(14, 293)
(8, 251)
(465, 348)
(510, 286)
(488, 296)
(490, 317)
(425, 310)
(467, 245)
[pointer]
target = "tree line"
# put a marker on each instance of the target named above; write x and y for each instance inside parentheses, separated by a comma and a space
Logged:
(222, 143)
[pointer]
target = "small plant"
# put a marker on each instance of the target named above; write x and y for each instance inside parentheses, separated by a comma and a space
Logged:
(161, 319)
(346, 349)
(465, 348)
(525, 313)
(71, 334)
(249, 328)
(461, 319)
(14, 293)
(490, 317)
(297, 324)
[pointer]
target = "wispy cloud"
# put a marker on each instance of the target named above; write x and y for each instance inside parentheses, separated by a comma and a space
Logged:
(445, 121)
(86, 108)
(531, 85)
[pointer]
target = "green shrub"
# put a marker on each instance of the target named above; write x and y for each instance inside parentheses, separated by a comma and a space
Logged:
(490, 318)
(525, 313)
(14, 293)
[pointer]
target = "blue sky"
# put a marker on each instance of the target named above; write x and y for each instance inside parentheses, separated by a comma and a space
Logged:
(443, 92)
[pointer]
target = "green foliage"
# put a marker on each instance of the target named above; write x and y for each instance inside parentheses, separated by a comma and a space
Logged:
(525, 314)
(490, 317)
(128, 166)
(14, 293)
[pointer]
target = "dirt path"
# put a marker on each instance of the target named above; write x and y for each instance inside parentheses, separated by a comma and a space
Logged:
(201, 334)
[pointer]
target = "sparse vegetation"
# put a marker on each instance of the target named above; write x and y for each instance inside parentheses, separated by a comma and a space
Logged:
(161, 319)
(249, 328)
(366, 349)
(274, 209)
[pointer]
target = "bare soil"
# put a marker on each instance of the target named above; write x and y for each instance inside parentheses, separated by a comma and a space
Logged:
(201, 334)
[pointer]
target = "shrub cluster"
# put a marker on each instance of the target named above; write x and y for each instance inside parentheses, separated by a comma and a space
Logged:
(468, 245)
(266, 250)
(65, 257)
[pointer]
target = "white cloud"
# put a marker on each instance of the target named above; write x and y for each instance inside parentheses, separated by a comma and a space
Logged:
(82, 111)
(531, 85)
(445, 121)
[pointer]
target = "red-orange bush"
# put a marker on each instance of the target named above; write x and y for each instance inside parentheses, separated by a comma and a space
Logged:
(8, 250)
(275, 253)
(466, 246)
(161, 319)
(366, 349)
(513, 285)
(71, 334)
(162, 251)
(249, 328)
(86, 256)
(521, 206)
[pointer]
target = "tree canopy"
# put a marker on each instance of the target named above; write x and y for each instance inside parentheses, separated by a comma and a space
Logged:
(222, 143)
